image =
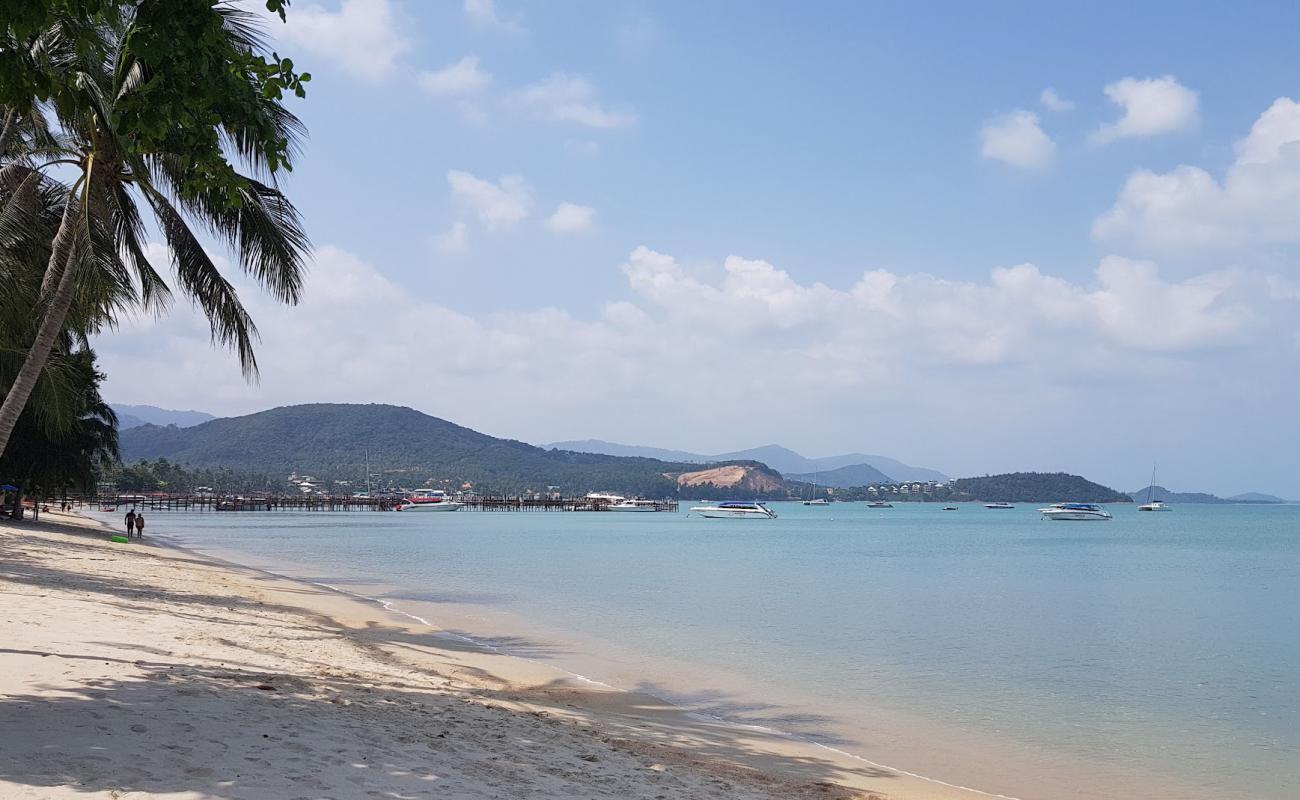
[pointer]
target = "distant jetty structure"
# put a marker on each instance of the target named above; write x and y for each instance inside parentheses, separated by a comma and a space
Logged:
(158, 501)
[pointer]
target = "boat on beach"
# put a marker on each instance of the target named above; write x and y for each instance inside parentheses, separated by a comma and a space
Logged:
(429, 500)
(735, 510)
(1075, 512)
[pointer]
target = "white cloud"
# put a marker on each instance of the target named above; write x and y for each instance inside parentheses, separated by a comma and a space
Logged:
(571, 98)
(1014, 352)
(1016, 139)
(484, 12)
(1277, 128)
(363, 36)
(1054, 102)
(571, 218)
(1152, 107)
(885, 330)
(462, 78)
(496, 204)
(1015, 313)
(454, 240)
(1186, 209)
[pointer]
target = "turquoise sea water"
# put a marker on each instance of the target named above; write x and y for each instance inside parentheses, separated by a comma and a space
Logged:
(1154, 655)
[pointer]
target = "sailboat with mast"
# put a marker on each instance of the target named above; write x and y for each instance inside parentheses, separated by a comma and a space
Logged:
(813, 499)
(1152, 504)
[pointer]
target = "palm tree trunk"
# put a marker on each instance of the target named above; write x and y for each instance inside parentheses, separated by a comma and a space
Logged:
(56, 311)
(58, 251)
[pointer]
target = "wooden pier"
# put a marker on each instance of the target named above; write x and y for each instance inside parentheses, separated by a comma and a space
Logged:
(158, 501)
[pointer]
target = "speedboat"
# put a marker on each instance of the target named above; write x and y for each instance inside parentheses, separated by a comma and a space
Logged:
(633, 505)
(1154, 505)
(1075, 512)
(735, 511)
(879, 504)
(821, 501)
(429, 500)
(998, 505)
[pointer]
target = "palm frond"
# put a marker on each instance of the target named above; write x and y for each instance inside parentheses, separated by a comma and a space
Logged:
(128, 233)
(203, 282)
(265, 230)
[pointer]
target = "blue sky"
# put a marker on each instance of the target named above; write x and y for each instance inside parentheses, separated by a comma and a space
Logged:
(840, 227)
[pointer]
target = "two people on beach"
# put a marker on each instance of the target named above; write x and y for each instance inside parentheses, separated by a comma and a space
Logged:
(136, 521)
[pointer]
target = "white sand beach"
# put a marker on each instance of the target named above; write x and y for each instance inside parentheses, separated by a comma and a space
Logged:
(139, 670)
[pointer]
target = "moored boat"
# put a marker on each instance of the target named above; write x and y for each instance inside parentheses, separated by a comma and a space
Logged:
(634, 505)
(879, 504)
(1075, 512)
(1152, 504)
(998, 505)
(429, 500)
(735, 510)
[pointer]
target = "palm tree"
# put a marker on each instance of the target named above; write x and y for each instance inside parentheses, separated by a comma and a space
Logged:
(111, 171)
(46, 463)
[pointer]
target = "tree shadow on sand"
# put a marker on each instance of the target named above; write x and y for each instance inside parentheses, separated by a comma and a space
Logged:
(240, 733)
(169, 723)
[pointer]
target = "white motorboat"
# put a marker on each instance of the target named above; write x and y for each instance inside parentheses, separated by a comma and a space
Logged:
(634, 505)
(737, 510)
(429, 500)
(1075, 512)
(879, 504)
(998, 505)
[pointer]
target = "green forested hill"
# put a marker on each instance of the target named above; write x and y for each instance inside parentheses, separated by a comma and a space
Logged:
(1035, 487)
(406, 448)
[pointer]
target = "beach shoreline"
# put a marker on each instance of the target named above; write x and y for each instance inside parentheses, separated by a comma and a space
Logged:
(114, 650)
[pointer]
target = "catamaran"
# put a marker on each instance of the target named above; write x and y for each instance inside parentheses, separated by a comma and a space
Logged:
(813, 499)
(735, 511)
(1152, 504)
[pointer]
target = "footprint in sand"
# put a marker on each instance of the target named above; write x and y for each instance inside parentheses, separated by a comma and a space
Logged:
(139, 728)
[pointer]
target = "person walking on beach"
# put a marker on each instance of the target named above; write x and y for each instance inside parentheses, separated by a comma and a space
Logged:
(130, 522)
(139, 526)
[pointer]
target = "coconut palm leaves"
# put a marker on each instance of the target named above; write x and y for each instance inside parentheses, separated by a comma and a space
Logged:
(115, 164)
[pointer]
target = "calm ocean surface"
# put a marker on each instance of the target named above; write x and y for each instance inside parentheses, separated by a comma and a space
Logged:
(988, 648)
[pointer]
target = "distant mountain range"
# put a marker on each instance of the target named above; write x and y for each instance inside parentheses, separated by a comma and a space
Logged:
(406, 448)
(844, 477)
(135, 416)
(1166, 496)
(782, 459)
